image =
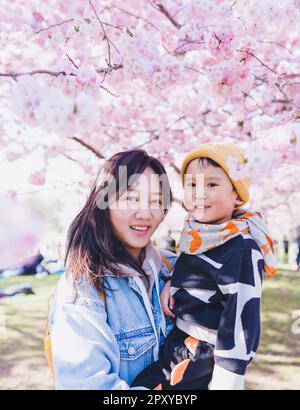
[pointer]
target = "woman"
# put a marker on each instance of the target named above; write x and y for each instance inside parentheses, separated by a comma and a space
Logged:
(103, 343)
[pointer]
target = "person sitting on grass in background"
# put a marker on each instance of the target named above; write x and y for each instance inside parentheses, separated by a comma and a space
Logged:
(215, 289)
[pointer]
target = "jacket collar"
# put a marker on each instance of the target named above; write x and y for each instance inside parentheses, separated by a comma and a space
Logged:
(151, 253)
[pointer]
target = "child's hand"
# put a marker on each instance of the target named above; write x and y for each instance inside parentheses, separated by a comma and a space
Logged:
(167, 301)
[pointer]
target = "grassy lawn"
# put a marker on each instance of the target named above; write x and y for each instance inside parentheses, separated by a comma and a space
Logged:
(22, 361)
(23, 366)
(277, 363)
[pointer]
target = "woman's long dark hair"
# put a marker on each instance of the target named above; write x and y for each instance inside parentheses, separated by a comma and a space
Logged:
(92, 249)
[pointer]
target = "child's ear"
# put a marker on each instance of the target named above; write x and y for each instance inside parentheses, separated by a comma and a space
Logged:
(238, 201)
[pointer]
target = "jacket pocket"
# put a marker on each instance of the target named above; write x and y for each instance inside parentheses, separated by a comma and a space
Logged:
(134, 343)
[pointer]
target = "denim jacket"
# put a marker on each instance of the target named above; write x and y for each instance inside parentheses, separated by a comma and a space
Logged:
(104, 348)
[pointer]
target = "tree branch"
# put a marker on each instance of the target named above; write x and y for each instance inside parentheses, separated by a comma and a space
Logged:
(52, 73)
(105, 35)
(54, 25)
(277, 44)
(253, 99)
(130, 14)
(164, 11)
(289, 76)
(71, 61)
(104, 70)
(88, 146)
(254, 56)
(286, 96)
(88, 21)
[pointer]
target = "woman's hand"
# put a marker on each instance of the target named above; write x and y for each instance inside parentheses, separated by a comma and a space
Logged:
(167, 301)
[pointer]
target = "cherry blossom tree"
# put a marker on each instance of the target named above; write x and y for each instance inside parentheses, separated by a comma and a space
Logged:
(20, 233)
(93, 77)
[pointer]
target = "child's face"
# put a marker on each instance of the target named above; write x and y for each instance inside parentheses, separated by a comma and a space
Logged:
(213, 203)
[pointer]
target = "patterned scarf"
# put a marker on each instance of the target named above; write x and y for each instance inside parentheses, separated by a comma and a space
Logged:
(198, 237)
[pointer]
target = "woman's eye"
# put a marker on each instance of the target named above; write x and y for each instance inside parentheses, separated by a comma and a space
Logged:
(156, 201)
(211, 185)
(191, 184)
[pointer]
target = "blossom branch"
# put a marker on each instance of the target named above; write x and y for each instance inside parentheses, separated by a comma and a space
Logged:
(16, 75)
(285, 95)
(164, 11)
(259, 60)
(88, 21)
(185, 43)
(131, 14)
(54, 25)
(104, 70)
(71, 61)
(253, 99)
(277, 44)
(88, 146)
(105, 35)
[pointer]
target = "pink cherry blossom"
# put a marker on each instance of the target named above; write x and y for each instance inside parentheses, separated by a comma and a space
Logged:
(20, 232)
(84, 80)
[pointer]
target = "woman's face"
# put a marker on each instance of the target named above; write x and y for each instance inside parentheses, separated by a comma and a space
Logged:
(138, 212)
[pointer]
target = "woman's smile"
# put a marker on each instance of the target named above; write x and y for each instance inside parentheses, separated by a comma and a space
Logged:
(140, 230)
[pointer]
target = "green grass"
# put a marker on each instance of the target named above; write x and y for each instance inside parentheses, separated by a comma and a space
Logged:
(23, 366)
(277, 363)
(22, 361)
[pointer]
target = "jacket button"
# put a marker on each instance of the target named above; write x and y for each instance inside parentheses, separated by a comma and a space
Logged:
(131, 350)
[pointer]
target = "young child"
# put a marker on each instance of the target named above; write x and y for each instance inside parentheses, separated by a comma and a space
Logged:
(216, 283)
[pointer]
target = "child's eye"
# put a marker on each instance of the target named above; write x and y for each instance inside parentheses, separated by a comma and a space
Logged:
(192, 184)
(212, 184)
(156, 201)
(131, 198)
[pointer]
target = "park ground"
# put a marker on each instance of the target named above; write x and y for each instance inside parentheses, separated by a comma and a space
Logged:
(23, 365)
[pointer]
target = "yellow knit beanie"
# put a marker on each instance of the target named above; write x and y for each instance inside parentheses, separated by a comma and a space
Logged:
(220, 153)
